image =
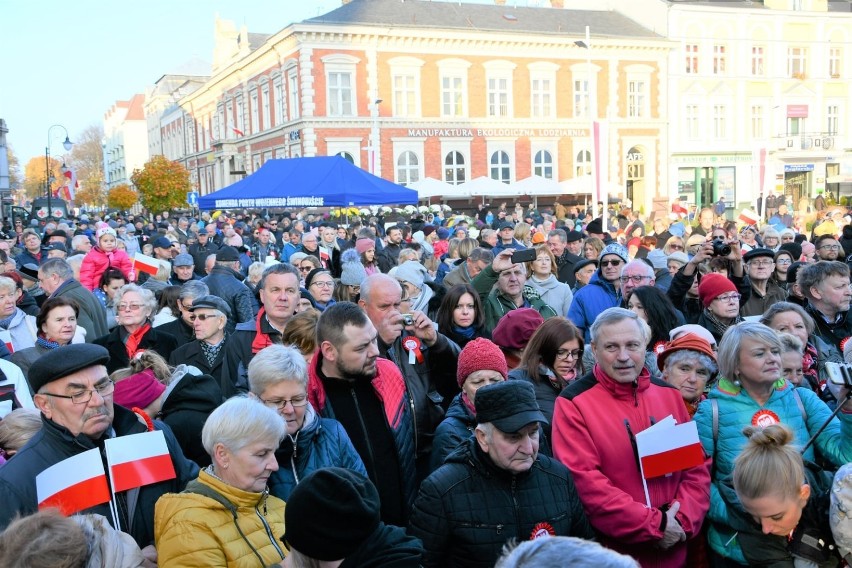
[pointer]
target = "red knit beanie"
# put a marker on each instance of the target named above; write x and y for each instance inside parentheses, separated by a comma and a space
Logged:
(712, 286)
(480, 355)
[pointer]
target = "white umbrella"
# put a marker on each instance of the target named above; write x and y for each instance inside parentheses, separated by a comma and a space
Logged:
(430, 187)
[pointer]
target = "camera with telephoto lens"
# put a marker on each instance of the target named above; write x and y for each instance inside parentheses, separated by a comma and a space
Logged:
(721, 248)
(839, 374)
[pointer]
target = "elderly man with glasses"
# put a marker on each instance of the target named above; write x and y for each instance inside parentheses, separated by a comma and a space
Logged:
(209, 316)
(75, 397)
(760, 263)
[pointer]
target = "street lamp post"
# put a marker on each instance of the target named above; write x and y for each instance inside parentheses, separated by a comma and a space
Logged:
(67, 145)
(374, 137)
(587, 45)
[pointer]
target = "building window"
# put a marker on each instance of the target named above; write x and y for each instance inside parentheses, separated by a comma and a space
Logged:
(797, 62)
(266, 125)
(407, 168)
(543, 164)
(404, 95)
(584, 163)
(454, 170)
(501, 170)
(254, 112)
(692, 120)
(229, 130)
(691, 58)
(241, 118)
(541, 93)
(832, 118)
(498, 96)
(758, 60)
(720, 124)
(720, 60)
(293, 94)
(835, 60)
(636, 98)
(581, 98)
(758, 122)
(346, 156)
(452, 96)
(280, 107)
(340, 94)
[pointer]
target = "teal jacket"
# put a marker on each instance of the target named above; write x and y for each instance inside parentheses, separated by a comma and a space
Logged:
(496, 305)
(736, 411)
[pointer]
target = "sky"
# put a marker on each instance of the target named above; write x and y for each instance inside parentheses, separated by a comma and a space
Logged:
(68, 62)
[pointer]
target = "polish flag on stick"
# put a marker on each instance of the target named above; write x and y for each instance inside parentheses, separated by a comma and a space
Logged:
(667, 447)
(143, 263)
(74, 484)
(749, 217)
(138, 459)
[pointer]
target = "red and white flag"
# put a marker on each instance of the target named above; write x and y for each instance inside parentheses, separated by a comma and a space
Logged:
(138, 459)
(748, 217)
(74, 484)
(679, 209)
(144, 263)
(667, 450)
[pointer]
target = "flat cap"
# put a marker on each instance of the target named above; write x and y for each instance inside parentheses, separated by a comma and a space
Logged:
(183, 259)
(509, 405)
(227, 254)
(55, 246)
(584, 263)
(29, 271)
(573, 236)
(59, 363)
(213, 303)
(758, 252)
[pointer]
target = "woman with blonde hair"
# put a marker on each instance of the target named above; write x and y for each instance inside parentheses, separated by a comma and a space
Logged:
(592, 248)
(542, 278)
(523, 234)
(674, 244)
(779, 506)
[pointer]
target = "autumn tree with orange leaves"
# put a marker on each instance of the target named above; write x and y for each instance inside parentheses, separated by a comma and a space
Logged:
(162, 184)
(34, 173)
(122, 197)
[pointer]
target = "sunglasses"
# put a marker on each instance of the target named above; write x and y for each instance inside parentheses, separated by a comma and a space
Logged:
(605, 263)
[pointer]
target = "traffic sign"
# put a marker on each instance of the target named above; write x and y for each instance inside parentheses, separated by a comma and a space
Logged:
(192, 198)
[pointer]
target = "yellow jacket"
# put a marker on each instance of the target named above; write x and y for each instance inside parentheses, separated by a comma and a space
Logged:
(199, 526)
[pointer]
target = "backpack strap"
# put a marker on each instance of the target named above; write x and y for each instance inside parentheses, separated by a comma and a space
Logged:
(801, 405)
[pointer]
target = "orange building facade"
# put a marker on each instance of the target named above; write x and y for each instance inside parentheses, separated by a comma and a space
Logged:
(425, 89)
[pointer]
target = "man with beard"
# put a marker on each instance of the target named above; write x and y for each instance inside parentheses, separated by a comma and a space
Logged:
(760, 263)
(564, 246)
(827, 248)
(389, 255)
(368, 396)
(75, 397)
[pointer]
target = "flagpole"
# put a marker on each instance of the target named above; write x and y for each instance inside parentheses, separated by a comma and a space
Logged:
(645, 484)
(112, 505)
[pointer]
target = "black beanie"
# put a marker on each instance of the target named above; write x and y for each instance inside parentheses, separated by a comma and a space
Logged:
(330, 513)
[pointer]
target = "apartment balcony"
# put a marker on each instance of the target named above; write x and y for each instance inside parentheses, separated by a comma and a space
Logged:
(809, 142)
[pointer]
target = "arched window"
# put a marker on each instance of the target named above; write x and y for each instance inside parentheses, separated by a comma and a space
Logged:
(407, 168)
(543, 164)
(584, 162)
(454, 171)
(346, 156)
(500, 168)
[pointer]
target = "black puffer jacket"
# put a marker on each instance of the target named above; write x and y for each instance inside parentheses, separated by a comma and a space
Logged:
(458, 425)
(469, 508)
(227, 284)
(187, 402)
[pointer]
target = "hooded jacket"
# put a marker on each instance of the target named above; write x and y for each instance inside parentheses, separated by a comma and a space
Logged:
(216, 524)
(594, 423)
(320, 443)
(495, 305)
(187, 402)
(96, 262)
(736, 410)
(227, 284)
(590, 301)
(54, 443)
(469, 508)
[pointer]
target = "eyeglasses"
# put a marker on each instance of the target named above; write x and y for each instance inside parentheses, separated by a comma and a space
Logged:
(205, 317)
(281, 403)
(675, 247)
(305, 268)
(131, 307)
(84, 396)
(564, 354)
(635, 279)
(605, 263)
(829, 247)
(784, 261)
(761, 264)
(728, 299)
(321, 284)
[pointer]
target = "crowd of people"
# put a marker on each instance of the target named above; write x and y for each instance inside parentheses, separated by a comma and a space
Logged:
(432, 389)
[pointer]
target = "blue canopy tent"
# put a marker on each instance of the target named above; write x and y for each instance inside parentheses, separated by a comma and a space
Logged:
(323, 181)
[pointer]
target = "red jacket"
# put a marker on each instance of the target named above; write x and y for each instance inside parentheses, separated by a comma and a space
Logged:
(590, 436)
(96, 262)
